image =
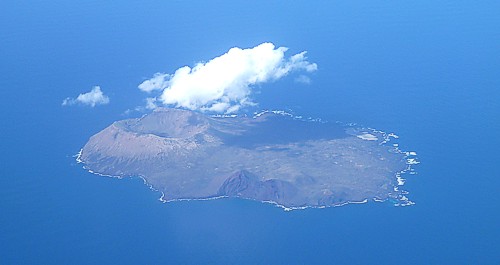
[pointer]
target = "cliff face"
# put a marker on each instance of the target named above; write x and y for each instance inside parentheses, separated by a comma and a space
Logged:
(187, 155)
(245, 185)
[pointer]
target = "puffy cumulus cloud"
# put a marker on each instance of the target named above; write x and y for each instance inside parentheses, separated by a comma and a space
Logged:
(92, 98)
(224, 84)
(158, 82)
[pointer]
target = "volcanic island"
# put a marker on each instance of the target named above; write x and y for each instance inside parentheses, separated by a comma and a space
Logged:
(270, 157)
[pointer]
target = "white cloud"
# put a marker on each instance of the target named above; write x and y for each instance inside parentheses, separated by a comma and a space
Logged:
(92, 98)
(151, 103)
(303, 79)
(158, 82)
(224, 84)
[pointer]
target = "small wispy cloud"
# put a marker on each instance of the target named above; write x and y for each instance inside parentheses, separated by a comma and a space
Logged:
(151, 103)
(92, 98)
(224, 84)
(303, 79)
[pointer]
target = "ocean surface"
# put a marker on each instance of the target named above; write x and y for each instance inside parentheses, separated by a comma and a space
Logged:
(427, 71)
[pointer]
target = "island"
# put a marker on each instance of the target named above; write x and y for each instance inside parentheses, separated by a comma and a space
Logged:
(271, 157)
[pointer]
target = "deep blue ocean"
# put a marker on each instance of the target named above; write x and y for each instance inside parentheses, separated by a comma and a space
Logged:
(427, 70)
